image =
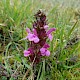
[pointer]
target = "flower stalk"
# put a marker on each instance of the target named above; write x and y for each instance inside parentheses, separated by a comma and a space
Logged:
(37, 38)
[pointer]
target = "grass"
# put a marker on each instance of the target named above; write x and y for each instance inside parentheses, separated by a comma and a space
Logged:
(64, 61)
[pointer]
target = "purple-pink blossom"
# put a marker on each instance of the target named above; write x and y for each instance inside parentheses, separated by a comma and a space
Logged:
(32, 36)
(46, 46)
(37, 38)
(44, 52)
(49, 33)
(46, 27)
(28, 52)
(51, 30)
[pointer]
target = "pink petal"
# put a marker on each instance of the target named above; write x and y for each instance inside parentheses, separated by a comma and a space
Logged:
(47, 53)
(28, 30)
(26, 53)
(51, 30)
(46, 26)
(34, 31)
(30, 37)
(36, 39)
(31, 50)
(42, 50)
(46, 45)
(43, 54)
(50, 37)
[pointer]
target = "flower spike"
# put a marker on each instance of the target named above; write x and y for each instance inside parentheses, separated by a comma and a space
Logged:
(37, 38)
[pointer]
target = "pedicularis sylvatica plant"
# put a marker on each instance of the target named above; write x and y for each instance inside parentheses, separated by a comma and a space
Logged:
(37, 37)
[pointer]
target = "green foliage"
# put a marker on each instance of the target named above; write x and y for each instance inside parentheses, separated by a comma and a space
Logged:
(64, 61)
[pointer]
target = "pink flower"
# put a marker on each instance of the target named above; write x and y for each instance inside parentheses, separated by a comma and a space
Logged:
(34, 31)
(44, 52)
(28, 52)
(28, 30)
(46, 45)
(49, 33)
(32, 36)
(46, 27)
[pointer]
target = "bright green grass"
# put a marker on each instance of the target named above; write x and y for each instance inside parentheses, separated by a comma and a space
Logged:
(16, 15)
